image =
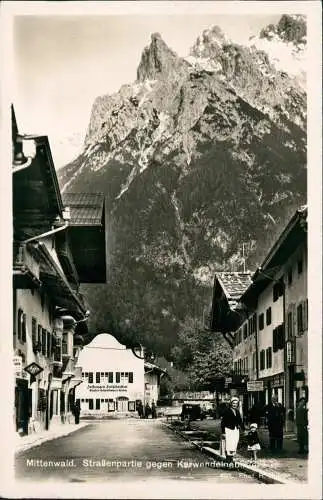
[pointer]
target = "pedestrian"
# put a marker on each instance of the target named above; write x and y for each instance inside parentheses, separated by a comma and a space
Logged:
(147, 410)
(275, 415)
(231, 424)
(253, 442)
(140, 409)
(153, 410)
(302, 425)
(77, 411)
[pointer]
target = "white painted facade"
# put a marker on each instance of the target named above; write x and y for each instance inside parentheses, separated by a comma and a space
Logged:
(151, 387)
(265, 342)
(113, 377)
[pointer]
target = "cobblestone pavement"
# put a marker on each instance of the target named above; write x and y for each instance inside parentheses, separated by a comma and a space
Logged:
(126, 449)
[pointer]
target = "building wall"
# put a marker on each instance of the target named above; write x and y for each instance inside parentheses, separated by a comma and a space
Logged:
(33, 306)
(106, 355)
(151, 387)
(296, 298)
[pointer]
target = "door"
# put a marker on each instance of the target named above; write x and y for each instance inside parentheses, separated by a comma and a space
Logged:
(122, 404)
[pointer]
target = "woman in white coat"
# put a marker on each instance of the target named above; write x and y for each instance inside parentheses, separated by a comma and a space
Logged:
(231, 424)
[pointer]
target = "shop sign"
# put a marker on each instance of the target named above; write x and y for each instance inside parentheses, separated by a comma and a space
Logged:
(277, 380)
(255, 385)
(290, 352)
(17, 364)
(106, 388)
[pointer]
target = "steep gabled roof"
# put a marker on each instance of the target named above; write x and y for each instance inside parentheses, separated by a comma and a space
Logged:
(86, 208)
(234, 284)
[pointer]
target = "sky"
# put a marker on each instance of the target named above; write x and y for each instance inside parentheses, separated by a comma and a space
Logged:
(62, 63)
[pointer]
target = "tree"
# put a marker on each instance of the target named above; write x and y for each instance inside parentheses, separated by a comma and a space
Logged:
(209, 367)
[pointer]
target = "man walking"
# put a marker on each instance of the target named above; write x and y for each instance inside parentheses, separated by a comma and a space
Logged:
(275, 415)
(302, 426)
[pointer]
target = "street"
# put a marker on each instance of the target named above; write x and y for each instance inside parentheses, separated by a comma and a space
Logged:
(125, 449)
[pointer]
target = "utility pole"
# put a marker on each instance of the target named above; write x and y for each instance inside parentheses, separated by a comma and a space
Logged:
(243, 256)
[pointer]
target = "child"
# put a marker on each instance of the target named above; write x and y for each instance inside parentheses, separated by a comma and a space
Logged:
(253, 442)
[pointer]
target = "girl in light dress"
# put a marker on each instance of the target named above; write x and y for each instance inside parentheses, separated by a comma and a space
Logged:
(253, 443)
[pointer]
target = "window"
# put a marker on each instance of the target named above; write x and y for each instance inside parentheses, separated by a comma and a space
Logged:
(110, 377)
(245, 330)
(300, 321)
(235, 367)
(83, 374)
(48, 344)
(300, 266)
(102, 374)
(130, 379)
(290, 276)
(262, 360)
(249, 326)
(254, 323)
(24, 328)
(246, 365)
(278, 338)
(90, 404)
(106, 374)
(278, 290)
(97, 404)
(43, 341)
(64, 343)
(34, 332)
(268, 316)
(268, 357)
(39, 331)
(97, 377)
(289, 325)
(117, 377)
(261, 321)
(86, 374)
(254, 366)
(20, 317)
(102, 400)
(91, 378)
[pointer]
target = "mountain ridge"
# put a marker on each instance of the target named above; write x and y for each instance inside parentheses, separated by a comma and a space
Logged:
(194, 160)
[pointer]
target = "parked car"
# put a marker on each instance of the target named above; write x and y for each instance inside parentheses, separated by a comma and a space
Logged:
(192, 412)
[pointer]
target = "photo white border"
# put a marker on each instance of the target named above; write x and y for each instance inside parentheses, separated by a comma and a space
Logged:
(164, 488)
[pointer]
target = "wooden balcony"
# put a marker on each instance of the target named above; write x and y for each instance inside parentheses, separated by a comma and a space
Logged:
(26, 269)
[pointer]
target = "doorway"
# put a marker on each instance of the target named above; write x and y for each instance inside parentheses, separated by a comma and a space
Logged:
(122, 404)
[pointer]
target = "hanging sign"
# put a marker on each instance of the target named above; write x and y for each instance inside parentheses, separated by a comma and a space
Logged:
(255, 385)
(17, 364)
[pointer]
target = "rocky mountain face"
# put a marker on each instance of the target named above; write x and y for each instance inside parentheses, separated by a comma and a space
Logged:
(197, 156)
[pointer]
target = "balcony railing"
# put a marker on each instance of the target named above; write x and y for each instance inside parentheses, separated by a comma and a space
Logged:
(26, 268)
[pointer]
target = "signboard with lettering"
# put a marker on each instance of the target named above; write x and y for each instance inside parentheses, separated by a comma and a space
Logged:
(107, 388)
(255, 385)
(17, 364)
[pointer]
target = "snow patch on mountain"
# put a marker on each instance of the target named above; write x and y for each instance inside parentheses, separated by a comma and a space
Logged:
(284, 56)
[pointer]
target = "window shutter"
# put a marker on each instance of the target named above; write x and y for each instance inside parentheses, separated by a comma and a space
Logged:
(24, 328)
(305, 314)
(294, 320)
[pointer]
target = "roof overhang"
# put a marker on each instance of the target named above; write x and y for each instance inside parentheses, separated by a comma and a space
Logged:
(228, 313)
(59, 288)
(290, 239)
(37, 199)
(86, 236)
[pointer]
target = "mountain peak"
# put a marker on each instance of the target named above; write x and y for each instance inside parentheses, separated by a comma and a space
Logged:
(208, 43)
(158, 60)
(290, 29)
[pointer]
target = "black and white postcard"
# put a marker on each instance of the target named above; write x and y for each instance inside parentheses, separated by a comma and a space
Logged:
(162, 246)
